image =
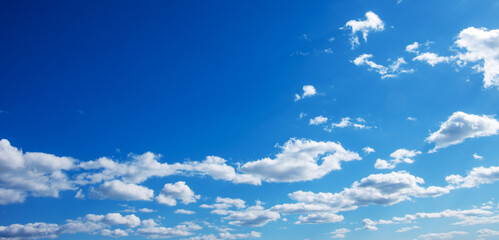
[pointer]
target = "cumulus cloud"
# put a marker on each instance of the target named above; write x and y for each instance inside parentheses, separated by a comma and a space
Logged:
(431, 58)
(368, 150)
(406, 229)
(114, 233)
(391, 71)
(413, 48)
(182, 230)
(183, 211)
(482, 47)
(377, 189)
(372, 23)
(31, 173)
(177, 191)
(308, 91)
(323, 217)
(254, 216)
(299, 161)
(447, 235)
(318, 120)
(461, 126)
(29, 231)
(476, 177)
(346, 122)
(340, 233)
(122, 191)
(399, 156)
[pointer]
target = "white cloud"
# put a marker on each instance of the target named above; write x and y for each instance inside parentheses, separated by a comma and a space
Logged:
(372, 24)
(298, 161)
(412, 119)
(413, 48)
(33, 173)
(482, 47)
(476, 177)
(399, 156)
(252, 234)
(252, 217)
(122, 191)
(29, 231)
(378, 189)
(405, 229)
(323, 217)
(308, 91)
(393, 70)
(177, 191)
(447, 235)
(183, 211)
(340, 233)
(487, 233)
(431, 58)
(476, 156)
(368, 150)
(318, 120)
(146, 210)
(461, 126)
(346, 122)
(114, 233)
(181, 230)
(294, 208)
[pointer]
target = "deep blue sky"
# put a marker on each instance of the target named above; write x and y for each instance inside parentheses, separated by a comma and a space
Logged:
(192, 79)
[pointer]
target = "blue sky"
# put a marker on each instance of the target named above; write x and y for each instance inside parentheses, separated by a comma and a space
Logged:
(249, 120)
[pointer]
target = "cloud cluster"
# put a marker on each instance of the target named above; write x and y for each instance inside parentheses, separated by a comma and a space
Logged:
(177, 191)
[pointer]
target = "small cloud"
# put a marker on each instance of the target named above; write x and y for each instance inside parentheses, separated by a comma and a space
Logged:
(81, 112)
(302, 115)
(331, 39)
(146, 210)
(299, 53)
(412, 119)
(328, 51)
(80, 195)
(372, 24)
(308, 91)
(318, 120)
(368, 150)
(478, 157)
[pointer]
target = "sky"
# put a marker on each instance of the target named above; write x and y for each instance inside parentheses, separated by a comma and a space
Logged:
(204, 120)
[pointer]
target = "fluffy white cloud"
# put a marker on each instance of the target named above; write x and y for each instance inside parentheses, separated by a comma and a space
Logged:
(447, 235)
(482, 47)
(222, 204)
(318, 120)
(37, 174)
(340, 233)
(294, 208)
(254, 216)
(461, 126)
(308, 91)
(183, 211)
(114, 233)
(476, 177)
(177, 191)
(122, 191)
(345, 122)
(29, 231)
(372, 24)
(378, 189)
(368, 150)
(182, 230)
(431, 58)
(413, 48)
(399, 156)
(323, 217)
(217, 168)
(298, 161)
(393, 70)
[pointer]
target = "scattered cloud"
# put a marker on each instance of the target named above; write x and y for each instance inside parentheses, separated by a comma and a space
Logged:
(478, 157)
(392, 71)
(405, 229)
(177, 191)
(318, 120)
(372, 23)
(340, 233)
(368, 150)
(299, 161)
(461, 126)
(308, 91)
(487, 233)
(399, 156)
(119, 190)
(476, 177)
(183, 211)
(447, 235)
